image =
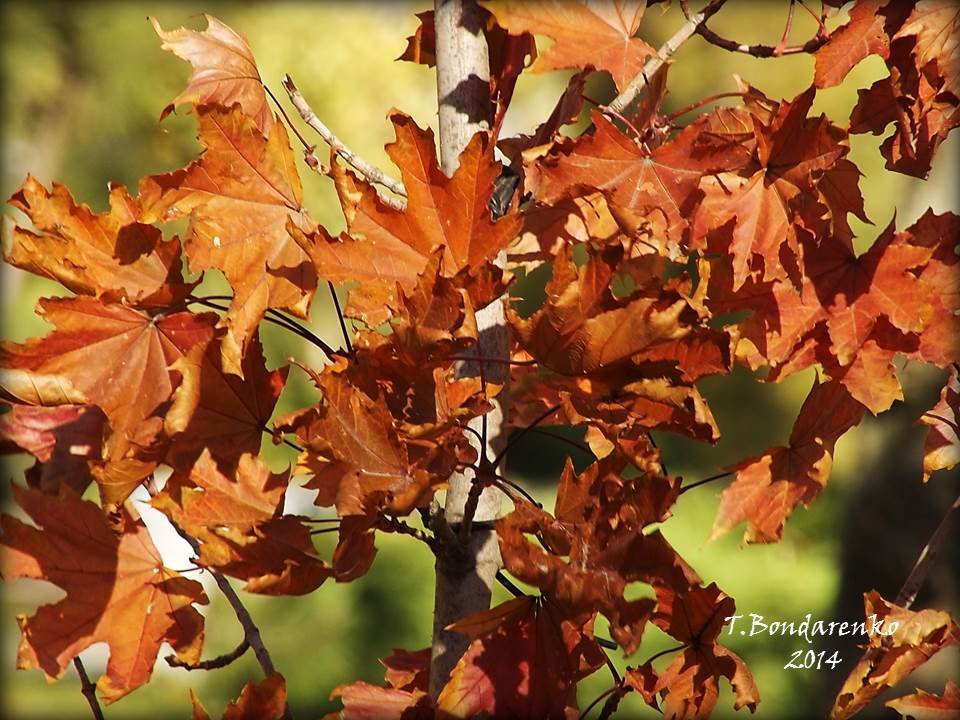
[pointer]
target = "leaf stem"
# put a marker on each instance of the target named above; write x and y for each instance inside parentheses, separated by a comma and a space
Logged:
(343, 322)
(88, 689)
(513, 440)
(698, 483)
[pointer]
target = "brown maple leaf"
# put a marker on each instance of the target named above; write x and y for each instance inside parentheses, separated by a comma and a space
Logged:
(922, 705)
(113, 256)
(239, 196)
(118, 591)
(265, 700)
(941, 448)
(862, 36)
(386, 247)
(900, 641)
(224, 70)
(526, 635)
(116, 358)
(226, 415)
(689, 685)
(768, 487)
(597, 35)
(242, 530)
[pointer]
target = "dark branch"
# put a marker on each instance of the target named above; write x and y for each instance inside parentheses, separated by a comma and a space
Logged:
(88, 689)
(214, 663)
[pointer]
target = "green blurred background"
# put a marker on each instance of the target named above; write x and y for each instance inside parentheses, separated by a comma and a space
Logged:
(83, 86)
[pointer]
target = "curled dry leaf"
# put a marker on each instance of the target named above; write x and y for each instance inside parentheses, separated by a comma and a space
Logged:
(62, 439)
(941, 448)
(901, 640)
(114, 256)
(265, 700)
(922, 705)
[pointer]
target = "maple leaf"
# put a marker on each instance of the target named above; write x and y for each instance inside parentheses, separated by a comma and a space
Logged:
(922, 92)
(583, 327)
(224, 70)
(584, 34)
(61, 438)
(792, 154)
(239, 195)
(524, 661)
(406, 696)
(227, 415)
(768, 487)
(598, 525)
(116, 357)
(241, 528)
(862, 36)
(356, 455)
(386, 247)
(689, 685)
(941, 449)
(940, 278)
(265, 700)
(662, 184)
(118, 591)
(113, 256)
(922, 705)
(903, 642)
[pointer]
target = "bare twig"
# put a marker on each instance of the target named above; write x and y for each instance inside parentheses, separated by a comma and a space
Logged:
(213, 663)
(373, 174)
(911, 586)
(88, 689)
(686, 31)
(343, 322)
(251, 632)
(760, 51)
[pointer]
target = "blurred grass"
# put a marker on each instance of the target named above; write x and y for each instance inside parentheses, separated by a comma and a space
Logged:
(83, 85)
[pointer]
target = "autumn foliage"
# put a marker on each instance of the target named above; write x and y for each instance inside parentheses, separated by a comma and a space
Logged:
(676, 250)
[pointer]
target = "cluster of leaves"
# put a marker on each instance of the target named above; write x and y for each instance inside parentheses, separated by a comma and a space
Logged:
(658, 235)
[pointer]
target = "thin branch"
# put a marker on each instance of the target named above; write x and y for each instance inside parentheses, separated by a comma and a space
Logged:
(760, 51)
(513, 440)
(698, 483)
(664, 652)
(703, 101)
(911, 586)
(508, 584)
(214, 663)
(251, 632)
(273, 316)
(557, 436)
(786, 30)
(343, 322)
(373, 174)
(389, 524)
(88, 689)
(686, 31)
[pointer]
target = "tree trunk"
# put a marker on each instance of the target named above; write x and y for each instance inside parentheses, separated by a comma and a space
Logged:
(465, 575)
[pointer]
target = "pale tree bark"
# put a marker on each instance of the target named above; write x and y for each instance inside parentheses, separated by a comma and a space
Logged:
(465, 574)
